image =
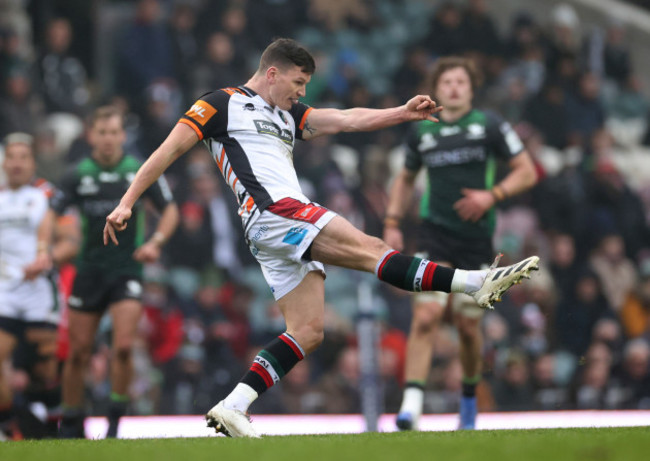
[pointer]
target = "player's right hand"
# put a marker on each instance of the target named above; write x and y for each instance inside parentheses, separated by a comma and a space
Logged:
(116, 222)
(394, 238)
(42, 263)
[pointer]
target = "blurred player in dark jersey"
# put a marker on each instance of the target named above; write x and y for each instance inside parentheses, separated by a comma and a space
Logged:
(107, 280)
(460, 154)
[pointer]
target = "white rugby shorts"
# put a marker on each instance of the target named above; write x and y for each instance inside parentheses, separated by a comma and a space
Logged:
(280, 236)
(31, 301)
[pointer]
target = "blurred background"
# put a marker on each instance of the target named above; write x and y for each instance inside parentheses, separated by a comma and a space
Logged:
(572, 77)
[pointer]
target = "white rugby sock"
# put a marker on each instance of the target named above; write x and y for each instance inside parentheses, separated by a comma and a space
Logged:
(240, 398)
(467, 281)
(412, 401)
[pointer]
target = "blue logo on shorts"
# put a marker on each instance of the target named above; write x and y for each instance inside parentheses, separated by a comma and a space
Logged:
(295, 236)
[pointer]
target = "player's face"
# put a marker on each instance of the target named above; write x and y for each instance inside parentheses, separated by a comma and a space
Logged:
(454, 89)
(106, 137)
(287, 86)
(19, 165)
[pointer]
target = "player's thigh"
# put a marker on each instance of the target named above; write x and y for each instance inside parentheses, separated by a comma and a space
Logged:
(7, 344)
(467, 315)
(82, 327)
(43, 337)
(125, 307)
(341, 244)
(428, 312)
(125, 316)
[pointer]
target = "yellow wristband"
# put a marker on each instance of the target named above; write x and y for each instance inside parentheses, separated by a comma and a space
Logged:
(497, 193)
(391, 221)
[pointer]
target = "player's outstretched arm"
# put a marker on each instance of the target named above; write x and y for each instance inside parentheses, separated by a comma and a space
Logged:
(331, 121)
(179, 141)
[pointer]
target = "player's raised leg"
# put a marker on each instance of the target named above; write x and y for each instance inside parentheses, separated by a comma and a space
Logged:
(341, 244)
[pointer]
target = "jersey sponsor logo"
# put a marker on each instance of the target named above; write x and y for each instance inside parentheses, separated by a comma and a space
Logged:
(455, 156)
(427, 142)
(449, 130)
(201, 112)
(87, 186)
(249, 106)
(107, 176)
(306, 213)
(295, 236)
(266, 127)
(260, 232)
(99, 207)
(75, 301)
(133, 288)
(475, 131)
(18, 220)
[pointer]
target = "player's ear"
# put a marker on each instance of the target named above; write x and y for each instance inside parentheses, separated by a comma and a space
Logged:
(271, 74)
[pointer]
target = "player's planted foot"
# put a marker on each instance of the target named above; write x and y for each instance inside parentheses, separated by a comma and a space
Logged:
(232, 423)
(467, 413)
(72, 425)
(499, 279)
(115, 411)
(405, 421)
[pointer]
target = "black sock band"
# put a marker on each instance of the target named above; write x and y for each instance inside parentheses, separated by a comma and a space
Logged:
(413, 274)
(469, 389)
(414, 384)
(273, 362)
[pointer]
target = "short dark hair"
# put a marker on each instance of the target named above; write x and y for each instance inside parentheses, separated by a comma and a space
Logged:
(19, 138)
(285, 52)
(442, 65)
(104, 112)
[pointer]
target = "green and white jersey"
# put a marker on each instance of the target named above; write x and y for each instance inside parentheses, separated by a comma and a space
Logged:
(459, 155)
(96, 190)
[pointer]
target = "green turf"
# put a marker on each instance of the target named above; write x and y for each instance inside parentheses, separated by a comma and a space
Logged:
(625, 444)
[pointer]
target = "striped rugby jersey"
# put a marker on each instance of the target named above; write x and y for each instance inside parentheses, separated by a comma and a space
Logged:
(21, 212)
(252, 144)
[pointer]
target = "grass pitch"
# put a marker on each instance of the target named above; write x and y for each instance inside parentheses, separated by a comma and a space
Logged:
(598, 444)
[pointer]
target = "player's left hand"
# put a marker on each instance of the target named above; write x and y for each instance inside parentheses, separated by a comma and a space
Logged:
(147, 253)
(116, 222)
(42, 263)
(474, 204)
(422, 107)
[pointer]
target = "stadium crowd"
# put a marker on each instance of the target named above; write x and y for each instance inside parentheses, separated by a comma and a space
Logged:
(577, 336)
